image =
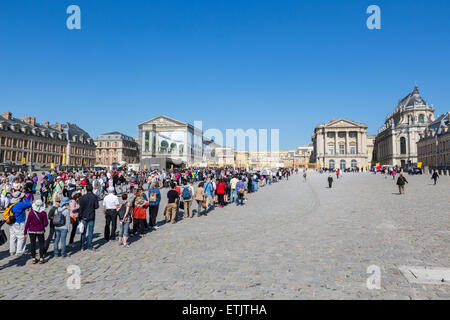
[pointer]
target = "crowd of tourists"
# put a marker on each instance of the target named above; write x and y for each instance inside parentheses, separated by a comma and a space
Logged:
(66, 203)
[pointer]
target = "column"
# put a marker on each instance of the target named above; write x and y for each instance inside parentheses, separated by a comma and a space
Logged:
(347, 151)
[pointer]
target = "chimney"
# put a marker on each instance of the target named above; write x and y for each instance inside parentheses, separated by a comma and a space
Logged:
(59, 126)
(7, 115)
(29, 120)
(47, 124)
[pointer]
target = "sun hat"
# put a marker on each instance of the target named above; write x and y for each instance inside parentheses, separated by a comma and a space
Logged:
(64, 201)
(38, 206)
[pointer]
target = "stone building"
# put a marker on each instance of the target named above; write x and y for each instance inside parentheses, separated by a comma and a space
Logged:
(29, 142)
(396, 142)
(433, 148)
(80, 148)
(166, 142)
(116, 147)
(341, 144)
(26, 141)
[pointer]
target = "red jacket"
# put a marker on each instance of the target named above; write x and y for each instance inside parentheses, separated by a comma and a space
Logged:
(221, 188)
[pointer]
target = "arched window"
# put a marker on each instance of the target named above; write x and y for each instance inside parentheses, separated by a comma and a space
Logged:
(354, 164)
(331, 164)
(421, 118)
(343, 164)
(402, 145)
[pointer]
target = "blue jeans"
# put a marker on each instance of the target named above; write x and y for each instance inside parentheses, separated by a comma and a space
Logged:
(233, 197)
(123, 229)
(240, 199)
(60, 234)
(87, 224)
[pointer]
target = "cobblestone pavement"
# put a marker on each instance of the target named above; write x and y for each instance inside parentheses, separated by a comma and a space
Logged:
(292, 240)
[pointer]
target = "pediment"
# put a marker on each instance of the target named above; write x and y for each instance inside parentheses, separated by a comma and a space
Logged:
(344, 123)
(163, 121)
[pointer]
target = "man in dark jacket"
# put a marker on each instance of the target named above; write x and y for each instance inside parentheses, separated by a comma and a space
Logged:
(86, 214)
(435, 176)
(330, 181)
(401, 183)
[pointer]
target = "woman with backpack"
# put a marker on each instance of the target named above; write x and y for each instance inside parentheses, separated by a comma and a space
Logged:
(61, 221)
(35, 228)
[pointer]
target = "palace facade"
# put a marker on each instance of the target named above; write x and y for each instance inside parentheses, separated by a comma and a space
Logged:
(433, 148)
(115, 147)
(25, 141)
(342, 144)
(396, 142)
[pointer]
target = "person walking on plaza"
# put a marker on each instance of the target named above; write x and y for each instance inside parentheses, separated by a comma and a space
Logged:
(172, 198)
(401, 183)
(187, 194)
(154, 196)
(17, 239)
(35, 228)
(73, 210)
(330, 181)
(304, 176)
(61, 221)
(200, 197)
(435, 176)
(394, 173)
(110, 206)
(51, 233)
(86, 214)
(124, 214)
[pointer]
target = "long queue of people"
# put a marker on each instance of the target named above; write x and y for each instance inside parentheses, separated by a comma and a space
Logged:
(66, 203)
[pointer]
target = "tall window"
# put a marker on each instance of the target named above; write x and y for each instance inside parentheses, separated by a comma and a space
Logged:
(147, 141)
(402, 145)
(331, 164)
(352, 149)
(331, 149)
(341, 149)
(421, 118)
(343, 164)
(354, 164)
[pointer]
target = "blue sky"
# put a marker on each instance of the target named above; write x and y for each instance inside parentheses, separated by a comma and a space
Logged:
(233, 64)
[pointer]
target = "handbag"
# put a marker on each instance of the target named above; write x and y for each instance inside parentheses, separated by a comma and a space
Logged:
(204, 204)
(3, 238)
(80, 228)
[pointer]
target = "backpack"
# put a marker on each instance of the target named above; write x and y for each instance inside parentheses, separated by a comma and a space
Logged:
(153, 197)
(8, 215)
(186, 193)
(59, 220)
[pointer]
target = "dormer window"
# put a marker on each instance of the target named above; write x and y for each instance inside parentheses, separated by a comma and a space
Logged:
(421, 118)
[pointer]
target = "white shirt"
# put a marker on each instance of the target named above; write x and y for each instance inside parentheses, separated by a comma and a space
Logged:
(110, 201)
